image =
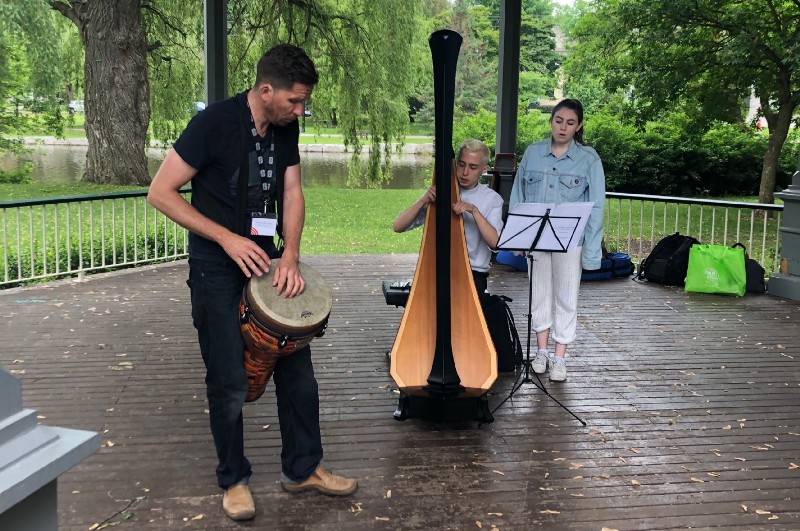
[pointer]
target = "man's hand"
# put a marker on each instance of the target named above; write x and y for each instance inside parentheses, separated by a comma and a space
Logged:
(287, 274)
(247, 254)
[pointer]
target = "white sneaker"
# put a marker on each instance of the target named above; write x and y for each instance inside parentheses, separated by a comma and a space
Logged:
(540, 362)
(558, 369)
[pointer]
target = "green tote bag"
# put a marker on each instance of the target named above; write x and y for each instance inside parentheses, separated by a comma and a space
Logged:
(716, 269)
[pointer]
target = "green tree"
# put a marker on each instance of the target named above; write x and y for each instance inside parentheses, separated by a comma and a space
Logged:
(116, 87)
(30, 76)
(362, 48)
(712, 52)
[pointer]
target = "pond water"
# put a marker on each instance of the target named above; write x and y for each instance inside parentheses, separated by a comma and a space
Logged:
(59, 163)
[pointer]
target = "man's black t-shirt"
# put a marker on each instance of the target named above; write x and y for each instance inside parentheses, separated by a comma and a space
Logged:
(212, 144)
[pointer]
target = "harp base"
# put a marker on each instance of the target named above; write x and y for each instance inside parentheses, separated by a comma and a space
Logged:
(469, 404)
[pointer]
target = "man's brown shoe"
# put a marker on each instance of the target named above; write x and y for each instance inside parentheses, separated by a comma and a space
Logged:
(237, 502)
(324, 482)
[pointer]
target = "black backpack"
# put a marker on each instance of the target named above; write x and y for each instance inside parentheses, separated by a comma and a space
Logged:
(754, 273)
(500, 322)
(668, 261)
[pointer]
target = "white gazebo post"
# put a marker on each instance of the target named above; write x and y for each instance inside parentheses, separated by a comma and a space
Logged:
(31, 459)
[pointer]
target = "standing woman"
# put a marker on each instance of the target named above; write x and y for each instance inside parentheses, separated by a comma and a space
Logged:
(561, 170)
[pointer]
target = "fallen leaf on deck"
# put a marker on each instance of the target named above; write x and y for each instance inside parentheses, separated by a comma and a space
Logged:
(773, 517)
(265, 427)
(577, 495)
(793, 466)
(198, 517)
(716, 452)
(478, 523)
(495, 514)
(713, 474)
(728, 427)
(697, 480)
(110, 443)
(609, 529)
(548, 511)
(388, 493)
(744, 507)
(762, 511)
(382, 518)
(575, 466)
(740, 458)
(634, 450)
(498, 472)
(635, 483)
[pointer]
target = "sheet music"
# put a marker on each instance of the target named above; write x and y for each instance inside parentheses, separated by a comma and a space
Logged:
(561, 233)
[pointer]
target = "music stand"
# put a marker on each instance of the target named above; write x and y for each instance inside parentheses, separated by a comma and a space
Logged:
(530, 228)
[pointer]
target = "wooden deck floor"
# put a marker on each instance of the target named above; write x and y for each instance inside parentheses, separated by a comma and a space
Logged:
(692, 404)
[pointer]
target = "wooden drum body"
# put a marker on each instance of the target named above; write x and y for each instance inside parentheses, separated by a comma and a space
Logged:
(273, 326)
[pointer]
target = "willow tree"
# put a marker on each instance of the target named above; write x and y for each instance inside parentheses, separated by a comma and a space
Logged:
(116, 87)
(365, 53)
(29, 73)
(360, 46)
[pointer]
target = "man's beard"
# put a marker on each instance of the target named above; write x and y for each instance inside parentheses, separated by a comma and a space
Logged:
(273, 118)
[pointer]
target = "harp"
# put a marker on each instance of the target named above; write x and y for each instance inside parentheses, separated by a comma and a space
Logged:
(443, 359)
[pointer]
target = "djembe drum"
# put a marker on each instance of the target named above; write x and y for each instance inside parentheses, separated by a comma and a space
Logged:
(273, 326)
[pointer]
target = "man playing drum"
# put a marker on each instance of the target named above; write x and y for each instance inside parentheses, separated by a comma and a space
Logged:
(232, 223)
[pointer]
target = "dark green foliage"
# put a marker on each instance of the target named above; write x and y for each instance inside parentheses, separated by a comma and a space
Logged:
(665, 157)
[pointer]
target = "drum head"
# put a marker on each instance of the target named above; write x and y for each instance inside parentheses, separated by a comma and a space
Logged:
(306, 312)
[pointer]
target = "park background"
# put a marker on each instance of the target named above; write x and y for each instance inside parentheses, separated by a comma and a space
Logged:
(670, 89)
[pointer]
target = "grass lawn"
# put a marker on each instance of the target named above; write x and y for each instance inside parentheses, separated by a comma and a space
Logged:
(338, 221)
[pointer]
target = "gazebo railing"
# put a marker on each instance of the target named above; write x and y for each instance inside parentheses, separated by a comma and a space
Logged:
(73, 236)
(634, 223)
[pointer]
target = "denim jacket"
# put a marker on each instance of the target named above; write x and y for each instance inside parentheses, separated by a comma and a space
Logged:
(577, 176)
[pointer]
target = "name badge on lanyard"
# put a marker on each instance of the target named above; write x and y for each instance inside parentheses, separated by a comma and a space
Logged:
(263, 224)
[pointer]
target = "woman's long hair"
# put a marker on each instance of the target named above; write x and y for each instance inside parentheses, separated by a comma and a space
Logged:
(573, 105)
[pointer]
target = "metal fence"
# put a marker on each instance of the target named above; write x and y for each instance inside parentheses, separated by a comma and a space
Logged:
(635, 223)
(73, 236)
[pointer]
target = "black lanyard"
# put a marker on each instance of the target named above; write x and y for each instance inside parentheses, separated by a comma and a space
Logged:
(266, 161)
